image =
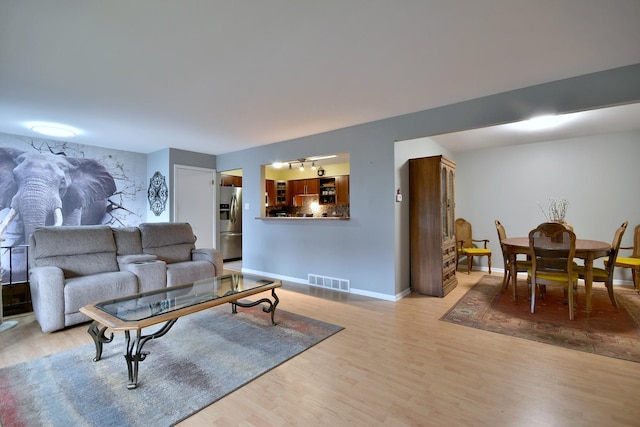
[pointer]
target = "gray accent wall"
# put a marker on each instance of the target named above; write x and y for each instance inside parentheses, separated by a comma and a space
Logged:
(163, 161)
(371, 249)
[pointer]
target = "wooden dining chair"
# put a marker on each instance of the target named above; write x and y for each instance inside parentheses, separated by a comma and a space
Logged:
(605, 275)
(633, 261)
(522, 266)
(553, 247)
(466, 244)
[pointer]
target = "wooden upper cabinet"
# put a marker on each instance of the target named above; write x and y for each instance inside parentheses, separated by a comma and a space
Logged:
(282, 193)
(342, 189)
(305, 186)
(271, 192)
(230, 181)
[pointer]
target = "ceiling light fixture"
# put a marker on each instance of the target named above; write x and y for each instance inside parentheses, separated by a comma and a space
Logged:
(331, 156)
(541, 123)
(54, 130)
(301, 161)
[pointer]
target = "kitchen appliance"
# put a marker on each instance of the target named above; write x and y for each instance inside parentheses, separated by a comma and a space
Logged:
(230, 223)
(305, 200)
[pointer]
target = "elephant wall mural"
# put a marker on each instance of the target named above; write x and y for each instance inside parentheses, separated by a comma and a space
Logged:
(50, 189)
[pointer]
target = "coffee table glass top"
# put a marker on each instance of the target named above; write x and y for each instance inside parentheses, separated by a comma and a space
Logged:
(154, 303)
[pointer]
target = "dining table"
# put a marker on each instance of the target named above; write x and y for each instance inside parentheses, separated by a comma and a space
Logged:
(587, 250)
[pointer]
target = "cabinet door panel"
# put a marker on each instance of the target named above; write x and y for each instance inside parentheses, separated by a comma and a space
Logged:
(342, 189)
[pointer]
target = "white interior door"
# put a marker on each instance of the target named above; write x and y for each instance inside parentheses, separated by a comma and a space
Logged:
(194, 202)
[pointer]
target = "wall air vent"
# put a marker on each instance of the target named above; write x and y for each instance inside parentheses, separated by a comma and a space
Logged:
(329, 282)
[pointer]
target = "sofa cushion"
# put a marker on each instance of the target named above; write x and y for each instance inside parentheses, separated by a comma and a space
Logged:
(128, 241)
(170, 241)
(181, 273)
(80, 291)
(78, 251)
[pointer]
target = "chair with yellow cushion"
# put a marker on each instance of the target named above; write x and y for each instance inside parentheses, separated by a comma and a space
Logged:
(633, 261)
(522, 266)
(466, 244)
(553, 247)
(605, 275)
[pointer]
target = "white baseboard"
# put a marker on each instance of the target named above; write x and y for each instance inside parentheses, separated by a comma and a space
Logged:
(354, 291)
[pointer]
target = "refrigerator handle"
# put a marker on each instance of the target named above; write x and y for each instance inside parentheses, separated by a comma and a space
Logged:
(233, 208)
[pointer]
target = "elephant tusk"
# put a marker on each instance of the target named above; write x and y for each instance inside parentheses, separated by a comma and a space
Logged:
(57, 216)
(7, 220)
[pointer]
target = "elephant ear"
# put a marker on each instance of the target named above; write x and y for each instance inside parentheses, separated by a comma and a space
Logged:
(90, 182)
(8, 186)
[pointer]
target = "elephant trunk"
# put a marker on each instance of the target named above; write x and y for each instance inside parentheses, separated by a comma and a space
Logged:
(38, 205)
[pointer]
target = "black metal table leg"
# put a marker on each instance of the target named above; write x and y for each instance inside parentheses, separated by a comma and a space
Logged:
(99, 338)
(271, 309)
(134, 354)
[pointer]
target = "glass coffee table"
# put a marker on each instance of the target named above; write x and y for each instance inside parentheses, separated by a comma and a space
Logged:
(135, 312)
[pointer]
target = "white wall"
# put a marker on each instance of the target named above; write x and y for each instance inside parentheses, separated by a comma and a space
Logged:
(595, 173)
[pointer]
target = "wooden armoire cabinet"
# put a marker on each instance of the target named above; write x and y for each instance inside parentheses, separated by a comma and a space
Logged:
(432, 217)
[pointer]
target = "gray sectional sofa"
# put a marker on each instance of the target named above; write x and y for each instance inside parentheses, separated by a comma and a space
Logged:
(71, 267)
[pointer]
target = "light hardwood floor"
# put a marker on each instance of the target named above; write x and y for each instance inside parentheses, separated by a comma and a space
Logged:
(396, 364)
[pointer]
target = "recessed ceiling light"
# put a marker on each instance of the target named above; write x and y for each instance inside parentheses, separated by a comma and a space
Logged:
(54, 130)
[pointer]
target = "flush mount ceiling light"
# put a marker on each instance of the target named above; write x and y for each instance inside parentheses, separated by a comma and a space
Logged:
(276, 165)
(540, 123)
(51, 129)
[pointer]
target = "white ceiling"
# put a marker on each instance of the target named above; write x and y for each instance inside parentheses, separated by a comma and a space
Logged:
(218, 76)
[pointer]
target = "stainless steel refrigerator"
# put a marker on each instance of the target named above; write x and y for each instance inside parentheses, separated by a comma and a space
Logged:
(230, 225)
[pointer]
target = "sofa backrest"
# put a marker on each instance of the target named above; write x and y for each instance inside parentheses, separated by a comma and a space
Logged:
(128, 241)
(170, 241)
(78, 251)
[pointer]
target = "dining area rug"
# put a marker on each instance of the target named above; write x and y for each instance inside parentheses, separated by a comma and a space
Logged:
(204, 357)
(604, 331)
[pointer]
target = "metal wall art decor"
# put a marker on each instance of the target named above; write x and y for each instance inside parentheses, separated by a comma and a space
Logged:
(158, 193)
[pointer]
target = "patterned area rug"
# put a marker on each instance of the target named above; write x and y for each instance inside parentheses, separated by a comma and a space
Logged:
(604, 331)
(204, 357)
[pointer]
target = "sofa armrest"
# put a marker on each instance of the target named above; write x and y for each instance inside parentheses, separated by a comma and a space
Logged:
(47, 296)
(211, 255)
(123, 260)
(151, 274)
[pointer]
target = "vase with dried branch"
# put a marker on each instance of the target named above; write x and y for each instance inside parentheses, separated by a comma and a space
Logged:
(557, 209)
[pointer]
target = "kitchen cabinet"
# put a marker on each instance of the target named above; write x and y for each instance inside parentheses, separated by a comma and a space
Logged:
(282, 193)
(305, 186)
(271, 199)
(431, 222)
(342, 190)
(327, 191)
(230, 181)
(334, 190)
